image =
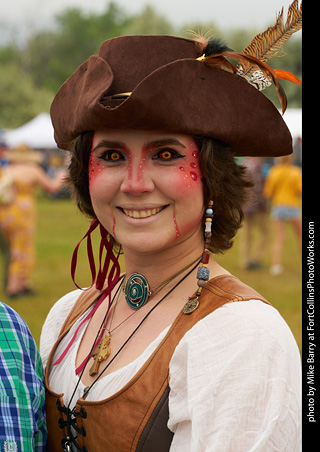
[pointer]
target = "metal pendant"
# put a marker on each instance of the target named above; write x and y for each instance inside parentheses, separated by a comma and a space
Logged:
(191, 305)
(136, 291)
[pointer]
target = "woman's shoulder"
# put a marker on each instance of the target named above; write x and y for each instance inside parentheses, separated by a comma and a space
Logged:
(252, 314)
(54, 321)
(234, 361)
(63, 306)
(246, 337)
(242, 323)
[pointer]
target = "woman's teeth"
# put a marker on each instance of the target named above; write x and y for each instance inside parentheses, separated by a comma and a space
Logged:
(142, 213)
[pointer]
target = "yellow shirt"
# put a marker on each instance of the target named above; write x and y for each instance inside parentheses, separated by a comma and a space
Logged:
(284, 185)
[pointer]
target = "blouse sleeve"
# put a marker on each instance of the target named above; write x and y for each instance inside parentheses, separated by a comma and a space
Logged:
(235, 382)
(53, 323)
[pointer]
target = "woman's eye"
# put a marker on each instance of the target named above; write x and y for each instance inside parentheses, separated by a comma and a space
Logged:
(112, 156)
(167, 155)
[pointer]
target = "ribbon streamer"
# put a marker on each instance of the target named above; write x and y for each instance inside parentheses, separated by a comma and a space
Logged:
(97, 279)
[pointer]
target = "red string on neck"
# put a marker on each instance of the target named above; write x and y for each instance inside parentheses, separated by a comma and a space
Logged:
(107, 266)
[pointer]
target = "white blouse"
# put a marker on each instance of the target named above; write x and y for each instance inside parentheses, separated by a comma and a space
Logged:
(235, 379)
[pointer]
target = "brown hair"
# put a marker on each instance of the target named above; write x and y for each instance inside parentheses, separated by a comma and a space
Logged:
(225, 182)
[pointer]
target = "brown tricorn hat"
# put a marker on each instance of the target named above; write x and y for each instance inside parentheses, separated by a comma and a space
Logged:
(158, 82)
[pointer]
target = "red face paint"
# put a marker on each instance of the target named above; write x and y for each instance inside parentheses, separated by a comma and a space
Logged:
(188, 184)
(95, 167)
(136, 170)
(176, 226)
(190, 169)
(148, 175)
(114, 228)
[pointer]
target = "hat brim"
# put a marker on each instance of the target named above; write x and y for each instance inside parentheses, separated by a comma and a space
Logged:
(185, 96)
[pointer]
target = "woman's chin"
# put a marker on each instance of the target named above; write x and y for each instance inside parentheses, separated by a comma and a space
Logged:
(148, 243)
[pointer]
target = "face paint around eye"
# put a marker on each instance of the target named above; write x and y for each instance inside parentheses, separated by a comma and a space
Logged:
(190, 171)
(94, 169)
(153, 196)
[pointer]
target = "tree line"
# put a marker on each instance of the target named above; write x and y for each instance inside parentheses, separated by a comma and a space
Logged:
(31, 73)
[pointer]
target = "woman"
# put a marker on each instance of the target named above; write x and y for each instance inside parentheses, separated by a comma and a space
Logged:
(18, 216)
(283, 186)
(153, 131)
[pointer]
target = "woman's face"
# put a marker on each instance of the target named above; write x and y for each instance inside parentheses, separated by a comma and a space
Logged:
(146, 187)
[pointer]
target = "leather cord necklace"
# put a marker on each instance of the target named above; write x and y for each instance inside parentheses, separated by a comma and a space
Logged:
(72, 414)
(101, 350)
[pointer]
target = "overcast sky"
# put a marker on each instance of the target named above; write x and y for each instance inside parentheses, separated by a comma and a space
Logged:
(30, 15)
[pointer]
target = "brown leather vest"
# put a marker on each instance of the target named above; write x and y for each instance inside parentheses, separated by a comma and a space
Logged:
(135, 418)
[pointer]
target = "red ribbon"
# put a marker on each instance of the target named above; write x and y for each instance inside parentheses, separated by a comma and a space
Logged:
(96, 279)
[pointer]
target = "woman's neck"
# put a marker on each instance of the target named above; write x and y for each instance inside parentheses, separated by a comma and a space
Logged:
(159, 266)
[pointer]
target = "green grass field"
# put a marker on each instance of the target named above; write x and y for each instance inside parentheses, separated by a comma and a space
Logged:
(59, 228)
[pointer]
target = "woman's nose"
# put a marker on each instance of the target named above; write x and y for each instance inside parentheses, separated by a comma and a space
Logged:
(137, 179)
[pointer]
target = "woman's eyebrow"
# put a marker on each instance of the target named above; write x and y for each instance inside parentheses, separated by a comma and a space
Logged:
(109, 144)
(164, 142)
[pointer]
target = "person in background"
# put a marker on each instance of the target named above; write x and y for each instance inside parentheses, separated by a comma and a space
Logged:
(4, 199)
(255, 218)
(283, 186)
(297, 149)
(22, 394)
(18, 215)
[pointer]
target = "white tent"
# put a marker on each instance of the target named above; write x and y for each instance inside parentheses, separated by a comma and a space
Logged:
(37, 134)
(293, 119)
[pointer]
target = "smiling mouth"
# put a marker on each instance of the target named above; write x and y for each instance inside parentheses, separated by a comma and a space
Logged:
(138, 214)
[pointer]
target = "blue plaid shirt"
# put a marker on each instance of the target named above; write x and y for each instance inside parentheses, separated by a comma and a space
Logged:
(22, 411)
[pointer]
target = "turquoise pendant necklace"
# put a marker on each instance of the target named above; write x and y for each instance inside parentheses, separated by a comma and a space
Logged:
(137, 291)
